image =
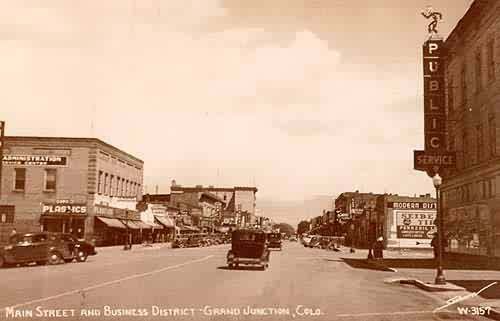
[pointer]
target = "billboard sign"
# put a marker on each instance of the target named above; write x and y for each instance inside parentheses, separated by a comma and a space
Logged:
(415, 224)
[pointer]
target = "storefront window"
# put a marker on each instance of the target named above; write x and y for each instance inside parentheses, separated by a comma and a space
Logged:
(50, 179)
(20, 179)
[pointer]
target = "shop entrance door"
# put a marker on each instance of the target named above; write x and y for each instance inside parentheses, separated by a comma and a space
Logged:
(52, 225)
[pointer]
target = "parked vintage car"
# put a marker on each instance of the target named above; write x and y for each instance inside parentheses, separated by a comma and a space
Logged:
(248, 247)
(179, 242)
(274, 240)
(43, 248)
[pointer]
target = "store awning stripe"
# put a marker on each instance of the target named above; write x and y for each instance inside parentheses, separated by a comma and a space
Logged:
(111, 222)
(165, 221)
(131, 224)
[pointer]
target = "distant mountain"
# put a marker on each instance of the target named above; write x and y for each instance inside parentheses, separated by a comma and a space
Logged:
(292, 212)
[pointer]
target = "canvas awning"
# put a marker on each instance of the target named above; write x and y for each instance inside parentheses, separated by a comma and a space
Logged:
(111, 222)
(130, 224)
(136, 225)
(156, 226)
(165, 221)
(189, 228)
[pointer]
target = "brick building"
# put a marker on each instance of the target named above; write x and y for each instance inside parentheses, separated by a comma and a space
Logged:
(403, 221)
(238, 203)
(64, 184)
(471, 198)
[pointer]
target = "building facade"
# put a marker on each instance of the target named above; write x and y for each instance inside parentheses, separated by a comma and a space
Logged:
(471, 192)
(64, 184)
(351, 209)
(403, 221)
(238, 203)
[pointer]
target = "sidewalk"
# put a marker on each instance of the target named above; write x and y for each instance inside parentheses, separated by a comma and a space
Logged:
(411, 266)
(135, 247)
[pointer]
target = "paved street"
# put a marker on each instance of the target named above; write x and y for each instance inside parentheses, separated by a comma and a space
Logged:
(194, 284)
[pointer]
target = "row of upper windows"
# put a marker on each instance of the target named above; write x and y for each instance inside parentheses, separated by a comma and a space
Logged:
(113, 185)
(476, 145)
(480, 190)
(479, 65)
(49, 180)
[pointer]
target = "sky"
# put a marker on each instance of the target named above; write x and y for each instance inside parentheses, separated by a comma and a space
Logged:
(297, 97)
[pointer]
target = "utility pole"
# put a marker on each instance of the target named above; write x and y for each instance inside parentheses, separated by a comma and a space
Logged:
(2, 130)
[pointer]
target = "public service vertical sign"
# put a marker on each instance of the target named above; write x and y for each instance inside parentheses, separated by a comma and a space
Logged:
(434, 96)
(435, 156)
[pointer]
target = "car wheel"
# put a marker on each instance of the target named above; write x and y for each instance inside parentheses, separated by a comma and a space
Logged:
(81, 256)
(230, 265)
(55, 258)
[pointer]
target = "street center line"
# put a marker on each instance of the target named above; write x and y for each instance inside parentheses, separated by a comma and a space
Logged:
(96, 286)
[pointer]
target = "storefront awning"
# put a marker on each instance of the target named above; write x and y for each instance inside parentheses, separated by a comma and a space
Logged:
(156, 226)
(111, 222)
(189, 228)
(130, 224)
(136, 225)
(165, 221)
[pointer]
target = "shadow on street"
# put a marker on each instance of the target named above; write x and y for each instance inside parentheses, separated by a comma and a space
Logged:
(492, 292)
(241, 268)
(421, 264)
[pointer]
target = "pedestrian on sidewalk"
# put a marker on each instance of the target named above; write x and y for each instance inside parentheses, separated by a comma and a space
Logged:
(378, 248)
(435, 245)
(12, 236)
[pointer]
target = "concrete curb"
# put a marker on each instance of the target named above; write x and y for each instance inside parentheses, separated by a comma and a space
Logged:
(429, 287)
(494, 314)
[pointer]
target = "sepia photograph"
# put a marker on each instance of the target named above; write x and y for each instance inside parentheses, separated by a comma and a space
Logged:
(281, 160)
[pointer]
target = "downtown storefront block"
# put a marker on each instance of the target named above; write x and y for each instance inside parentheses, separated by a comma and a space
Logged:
(470, 192)
(61, 184)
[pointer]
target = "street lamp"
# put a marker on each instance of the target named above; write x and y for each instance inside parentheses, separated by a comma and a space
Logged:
(440, 279)
(370, 234)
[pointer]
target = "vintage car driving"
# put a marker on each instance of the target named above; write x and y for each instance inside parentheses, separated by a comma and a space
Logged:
(274, 240)
(248, 247)
(43, 248)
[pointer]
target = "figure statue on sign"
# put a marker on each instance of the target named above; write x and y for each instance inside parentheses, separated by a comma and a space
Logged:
(436, 18)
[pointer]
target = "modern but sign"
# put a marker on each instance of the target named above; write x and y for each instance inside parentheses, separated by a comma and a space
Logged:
(35, 160)
(435, 156)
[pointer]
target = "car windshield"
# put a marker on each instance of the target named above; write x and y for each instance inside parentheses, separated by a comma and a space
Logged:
(256, 237)
(274, 236)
